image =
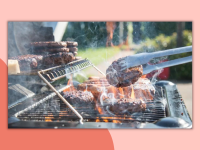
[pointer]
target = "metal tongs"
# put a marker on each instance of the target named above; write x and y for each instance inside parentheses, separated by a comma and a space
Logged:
(144, 58)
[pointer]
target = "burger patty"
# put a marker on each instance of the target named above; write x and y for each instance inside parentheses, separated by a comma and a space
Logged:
(142, 88)
(127, 106)
(51, 44)
(80, 98)
(52, 49)
(77, 96)
(28, 62)
(58, 58)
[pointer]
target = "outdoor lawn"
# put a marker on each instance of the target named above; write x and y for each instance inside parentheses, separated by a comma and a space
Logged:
(97, 55)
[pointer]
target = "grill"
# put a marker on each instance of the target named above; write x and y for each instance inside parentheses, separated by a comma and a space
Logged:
(62, 113)
(53, 110)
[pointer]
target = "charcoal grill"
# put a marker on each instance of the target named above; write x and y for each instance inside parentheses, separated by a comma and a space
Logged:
(53, 110)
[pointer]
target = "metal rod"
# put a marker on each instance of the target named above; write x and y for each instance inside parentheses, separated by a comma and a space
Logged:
(98, 70)
(150, 68)
(61, 65)
(39, 102)
(54, 79)
(20, 100)
(61, 97)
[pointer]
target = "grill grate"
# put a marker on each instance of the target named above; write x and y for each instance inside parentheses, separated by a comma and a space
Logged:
(54, 110)
(52, 74)
(58, 72)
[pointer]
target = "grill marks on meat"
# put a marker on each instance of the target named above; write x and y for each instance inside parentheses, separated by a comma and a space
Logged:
(127, 106)
(78, 96)
(28, 62)
(58, 58)
(80, 99)
(124, 78)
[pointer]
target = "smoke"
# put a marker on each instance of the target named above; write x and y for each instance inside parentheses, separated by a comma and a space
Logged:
(103, 95)
(12, 47)
(23, 33)
(153, 80)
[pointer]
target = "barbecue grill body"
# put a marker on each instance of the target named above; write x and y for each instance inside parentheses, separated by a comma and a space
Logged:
(176, 116)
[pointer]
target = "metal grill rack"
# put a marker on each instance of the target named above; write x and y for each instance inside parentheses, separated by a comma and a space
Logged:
(46, 110)
(55, 73)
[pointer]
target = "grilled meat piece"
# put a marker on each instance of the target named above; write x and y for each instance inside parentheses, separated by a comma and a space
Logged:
(73, 49)
(142, 88)
(58, 58)
(52, 47)
(125, 78)
(127, 106)
(75, 53)
(51, 44)
(80, 99)
(96, 90)
(27, 62)
(50, 50)
(95, 86)
(77, 96)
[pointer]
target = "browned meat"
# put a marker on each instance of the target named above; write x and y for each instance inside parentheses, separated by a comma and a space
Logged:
(95, 85)
(75, 53)
(80, 99)
(142, 88)
(53, 49)
(58, 58)
(52, 44)
(96, 90)
(127, 106)
(50, 50)
(123, 78)
(76, 96)
(71, 44)
(73, 49)
(27, 62)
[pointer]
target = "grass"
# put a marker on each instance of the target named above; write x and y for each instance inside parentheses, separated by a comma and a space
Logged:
(97, 55)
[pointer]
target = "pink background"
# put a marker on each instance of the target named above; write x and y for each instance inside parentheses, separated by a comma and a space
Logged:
(104, 10)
